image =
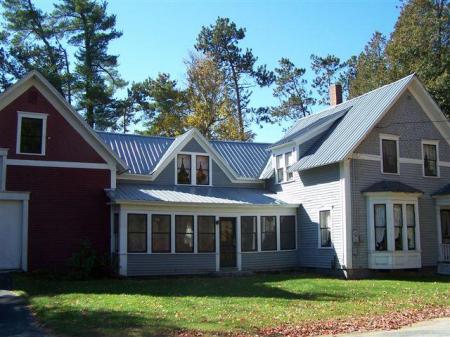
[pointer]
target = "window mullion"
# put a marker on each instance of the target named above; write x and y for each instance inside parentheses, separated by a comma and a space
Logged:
(390, 226)
(405, 227)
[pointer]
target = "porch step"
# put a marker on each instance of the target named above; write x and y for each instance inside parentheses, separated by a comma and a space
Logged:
(444, 268)
(232, 273)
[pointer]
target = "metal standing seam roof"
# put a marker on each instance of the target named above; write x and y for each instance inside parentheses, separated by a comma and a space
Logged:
(363, 113)
(143, 153)
(443, 191)
(390, 186)
(193, 194)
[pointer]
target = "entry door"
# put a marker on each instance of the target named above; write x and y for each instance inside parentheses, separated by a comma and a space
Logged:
(227, 242)
(10, 234)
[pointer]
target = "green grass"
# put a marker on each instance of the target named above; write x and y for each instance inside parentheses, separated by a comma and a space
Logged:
(135, 307)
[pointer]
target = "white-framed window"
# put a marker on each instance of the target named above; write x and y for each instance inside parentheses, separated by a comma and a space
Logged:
(389, 147)
(325, 229)
(249, 233)
(269, 233)
(137, 233)
(288, 157)
(161, 233)
(287, 232)
(280, 168)
(430, 158)
(3, 155)
(31, 133)
(184, 233)
(193, 169)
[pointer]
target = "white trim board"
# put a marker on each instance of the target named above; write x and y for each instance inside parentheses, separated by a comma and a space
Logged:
(61, 164)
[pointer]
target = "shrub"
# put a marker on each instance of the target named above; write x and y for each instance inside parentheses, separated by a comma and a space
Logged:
(86, 263)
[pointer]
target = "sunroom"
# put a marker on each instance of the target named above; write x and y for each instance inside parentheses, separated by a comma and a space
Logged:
(393, 230)
(161, 230)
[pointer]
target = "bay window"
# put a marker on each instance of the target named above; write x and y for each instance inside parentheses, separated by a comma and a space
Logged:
(389, 154)
(411, 226)
(268, 233)
(206, 228)
(184, 233)
(248, 233)
(430, 159)
(380, 227)
(398, 226)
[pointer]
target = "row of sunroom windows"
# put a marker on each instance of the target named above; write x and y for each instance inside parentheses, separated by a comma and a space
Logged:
(161, 233)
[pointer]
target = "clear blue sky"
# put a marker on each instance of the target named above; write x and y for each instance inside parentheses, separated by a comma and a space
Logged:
(157, 35)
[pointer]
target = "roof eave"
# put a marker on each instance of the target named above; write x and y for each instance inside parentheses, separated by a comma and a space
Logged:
(201, 204)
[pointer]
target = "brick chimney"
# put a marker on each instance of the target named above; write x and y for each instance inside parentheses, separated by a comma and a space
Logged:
(335, 92)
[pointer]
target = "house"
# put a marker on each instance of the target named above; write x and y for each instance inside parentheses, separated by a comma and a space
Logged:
(362, 185)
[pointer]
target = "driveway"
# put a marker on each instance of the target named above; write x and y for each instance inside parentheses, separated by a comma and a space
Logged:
(16, 319)
(439, 327)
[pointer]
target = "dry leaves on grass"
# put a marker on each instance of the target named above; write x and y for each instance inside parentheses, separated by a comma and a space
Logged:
(389, 321)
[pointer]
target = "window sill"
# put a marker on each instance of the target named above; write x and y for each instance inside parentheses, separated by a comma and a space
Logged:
(391, 174)
(326, 248)
(30, 154)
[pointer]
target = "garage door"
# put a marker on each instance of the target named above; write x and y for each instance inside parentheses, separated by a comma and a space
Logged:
(10, 234)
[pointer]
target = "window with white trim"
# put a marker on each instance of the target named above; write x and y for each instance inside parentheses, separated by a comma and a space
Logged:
(325, 228)
(248, 233)
(193, 169)
(268, 233)
(280, 168)
(389, 154)
(184, 234)
(380, 223)
(430, 159)
(137, 233)
(206, 233)
(161, 233)
(287, 232)
(288, 157)
(411, 226)
(31, 133)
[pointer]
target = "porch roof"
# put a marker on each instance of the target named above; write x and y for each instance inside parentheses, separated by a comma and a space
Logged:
(195, 195)
(443, 191)
(391, 186)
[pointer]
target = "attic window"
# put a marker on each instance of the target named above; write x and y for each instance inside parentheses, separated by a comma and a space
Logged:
(184, 169)
(31, 133)
(193, 169)
(389, 154)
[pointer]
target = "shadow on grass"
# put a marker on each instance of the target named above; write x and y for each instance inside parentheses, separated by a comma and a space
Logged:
(258, 286)
(94, 323)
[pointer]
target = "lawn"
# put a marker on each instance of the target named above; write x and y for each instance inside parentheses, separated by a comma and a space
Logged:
(145, 307)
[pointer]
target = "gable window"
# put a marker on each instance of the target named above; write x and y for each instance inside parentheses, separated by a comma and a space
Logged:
(287, 232)
(137, 233)
(280, 168)
(430, 159)
(380, 227)
(184, 230)
(248, 233)
(160, 233)
(184, 169)
(202, 166)
(389, 153)
(325, 228)
(206, 234)
(31, 133)
(268, 233)
(288, 162)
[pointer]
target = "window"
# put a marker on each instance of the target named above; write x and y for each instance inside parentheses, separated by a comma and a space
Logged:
(411, 226)
(160, 233)
(430, 160)
(280, 168)
(288, 162)
(445, 226)
(325, 229)
(31, 133)
(380, 227)
(184, 230)
(206, 234)
(137, 233)
(202, 166)
(248, 233)
(184, 169)
(287, 232)
(389, 149)
(268, 233)
(398, 226)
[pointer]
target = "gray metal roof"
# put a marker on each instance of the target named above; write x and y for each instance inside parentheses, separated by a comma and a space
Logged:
(194, 194)
(391, 186)
(364, 112)
(246, 159)
(143, 153)
(443, 191)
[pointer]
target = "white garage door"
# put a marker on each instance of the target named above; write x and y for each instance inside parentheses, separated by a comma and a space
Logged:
(10, 234)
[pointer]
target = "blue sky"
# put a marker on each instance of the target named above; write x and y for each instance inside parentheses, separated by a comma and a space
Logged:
(158, 35)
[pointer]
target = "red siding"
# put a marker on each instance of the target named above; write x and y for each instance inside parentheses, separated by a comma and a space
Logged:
(63, 142)
(66, 206)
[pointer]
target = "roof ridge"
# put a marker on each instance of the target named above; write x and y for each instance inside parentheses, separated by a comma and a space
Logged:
(237, 141)
(133, 134)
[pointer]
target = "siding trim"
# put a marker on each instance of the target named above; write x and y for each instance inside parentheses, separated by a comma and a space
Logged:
(346, 213)
(59, 164)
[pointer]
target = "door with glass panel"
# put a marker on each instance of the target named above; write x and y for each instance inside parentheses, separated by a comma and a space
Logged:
(227, 242)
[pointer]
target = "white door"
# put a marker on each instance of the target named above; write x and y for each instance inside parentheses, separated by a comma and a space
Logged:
(10, 234)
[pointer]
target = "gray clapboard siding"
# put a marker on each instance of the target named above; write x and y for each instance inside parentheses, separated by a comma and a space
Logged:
(316, 189)
(170, 264)
(407, 120)
(260, 261)
(193, 146)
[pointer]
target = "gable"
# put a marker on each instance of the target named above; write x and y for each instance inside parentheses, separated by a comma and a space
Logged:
(63, 142)
(193, 146)
(408, 120)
